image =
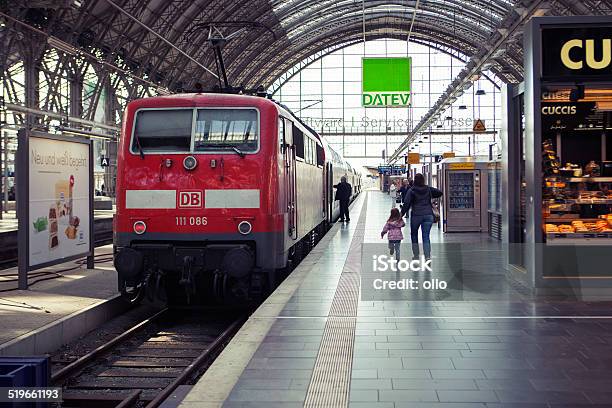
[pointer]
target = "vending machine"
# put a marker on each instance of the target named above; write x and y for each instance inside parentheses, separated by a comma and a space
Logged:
(464, 182)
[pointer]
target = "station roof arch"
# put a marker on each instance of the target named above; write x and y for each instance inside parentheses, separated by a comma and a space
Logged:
(164, 41)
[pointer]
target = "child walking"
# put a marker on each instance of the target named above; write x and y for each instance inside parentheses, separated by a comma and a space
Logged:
(393, 228)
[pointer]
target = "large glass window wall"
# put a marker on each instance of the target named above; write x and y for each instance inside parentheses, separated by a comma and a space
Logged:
(327, 95)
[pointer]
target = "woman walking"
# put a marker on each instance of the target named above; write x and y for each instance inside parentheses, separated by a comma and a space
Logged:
(419, 199)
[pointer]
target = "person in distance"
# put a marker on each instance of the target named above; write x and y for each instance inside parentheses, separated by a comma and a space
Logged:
(343, 194)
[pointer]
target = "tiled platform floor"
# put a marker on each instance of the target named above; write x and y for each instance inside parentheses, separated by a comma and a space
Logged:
(23, 311)
(498, 347)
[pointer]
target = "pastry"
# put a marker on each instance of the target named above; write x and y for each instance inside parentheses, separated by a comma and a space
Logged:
(550, 228)
(70, 232)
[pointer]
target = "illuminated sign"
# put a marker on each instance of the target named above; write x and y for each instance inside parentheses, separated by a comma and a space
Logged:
(462, 166)
(577, 51)
(386, 82)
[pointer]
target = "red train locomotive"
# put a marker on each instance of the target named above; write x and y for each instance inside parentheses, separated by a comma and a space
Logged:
(217, 194)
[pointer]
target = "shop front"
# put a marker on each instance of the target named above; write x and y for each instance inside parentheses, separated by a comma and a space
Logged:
(559, 158)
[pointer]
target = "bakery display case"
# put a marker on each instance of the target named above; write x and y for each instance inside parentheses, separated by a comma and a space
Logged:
(576, 197)
(576, 215)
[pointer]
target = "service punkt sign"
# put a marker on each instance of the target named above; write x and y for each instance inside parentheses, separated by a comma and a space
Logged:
(386, 82)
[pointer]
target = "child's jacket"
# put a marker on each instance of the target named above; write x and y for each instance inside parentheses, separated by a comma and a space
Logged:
(394, 230)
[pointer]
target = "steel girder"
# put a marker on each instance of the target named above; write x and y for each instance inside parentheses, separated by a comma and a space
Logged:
(123, 58)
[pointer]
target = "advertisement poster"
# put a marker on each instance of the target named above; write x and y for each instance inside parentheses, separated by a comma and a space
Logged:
(59, 199)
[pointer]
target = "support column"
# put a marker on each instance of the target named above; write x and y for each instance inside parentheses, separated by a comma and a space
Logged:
(110, 172)
(31, 87)
(76, 95)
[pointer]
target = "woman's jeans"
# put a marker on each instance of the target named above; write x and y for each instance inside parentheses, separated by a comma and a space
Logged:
(424, 222)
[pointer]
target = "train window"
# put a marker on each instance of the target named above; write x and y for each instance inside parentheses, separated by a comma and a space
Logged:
(226, 128)
(320, 156)
(281, 133)
(298, 141)
(306, 150)
(310, 151)
(313, 152)
(163, 130)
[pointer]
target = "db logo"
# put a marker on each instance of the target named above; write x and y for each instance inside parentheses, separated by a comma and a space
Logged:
(190, 199)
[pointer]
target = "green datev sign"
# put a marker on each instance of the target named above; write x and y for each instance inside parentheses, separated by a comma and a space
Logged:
(385, 82)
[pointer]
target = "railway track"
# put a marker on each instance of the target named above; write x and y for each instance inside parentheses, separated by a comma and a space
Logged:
(142, 366)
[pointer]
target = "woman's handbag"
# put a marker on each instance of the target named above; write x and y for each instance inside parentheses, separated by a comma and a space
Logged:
(435, 207)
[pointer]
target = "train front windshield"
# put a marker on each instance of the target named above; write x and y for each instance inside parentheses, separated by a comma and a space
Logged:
(218, 128)
(170, 130)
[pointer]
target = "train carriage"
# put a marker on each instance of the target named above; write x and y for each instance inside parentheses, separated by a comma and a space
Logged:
(217, 194)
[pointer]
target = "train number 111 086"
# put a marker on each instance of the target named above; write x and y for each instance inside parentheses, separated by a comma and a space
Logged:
(191, 221)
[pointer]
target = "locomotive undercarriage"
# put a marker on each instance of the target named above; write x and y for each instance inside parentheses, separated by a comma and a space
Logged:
(202, 273)
(179, 273)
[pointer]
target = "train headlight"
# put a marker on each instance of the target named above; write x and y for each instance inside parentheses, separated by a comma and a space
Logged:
(140, 227)
(245, 227)
(190, 163)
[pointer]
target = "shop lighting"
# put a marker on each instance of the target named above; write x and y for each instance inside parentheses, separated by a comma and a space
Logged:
(480, 92)
(439, 126)
(62, 46)
(462, 107)
(604, 106)
(449, 118)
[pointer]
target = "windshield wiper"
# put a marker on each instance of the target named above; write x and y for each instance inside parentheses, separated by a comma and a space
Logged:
(240, 152)
(231, 146)
(139, 145)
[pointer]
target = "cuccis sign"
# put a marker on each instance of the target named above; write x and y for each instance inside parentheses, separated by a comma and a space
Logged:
(588, 46)
(584, 51)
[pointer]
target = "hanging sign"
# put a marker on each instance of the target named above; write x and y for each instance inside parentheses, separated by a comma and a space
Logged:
(573, 51)
(479, 126)
(448, 155)
(385, 82)
(414, 158)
